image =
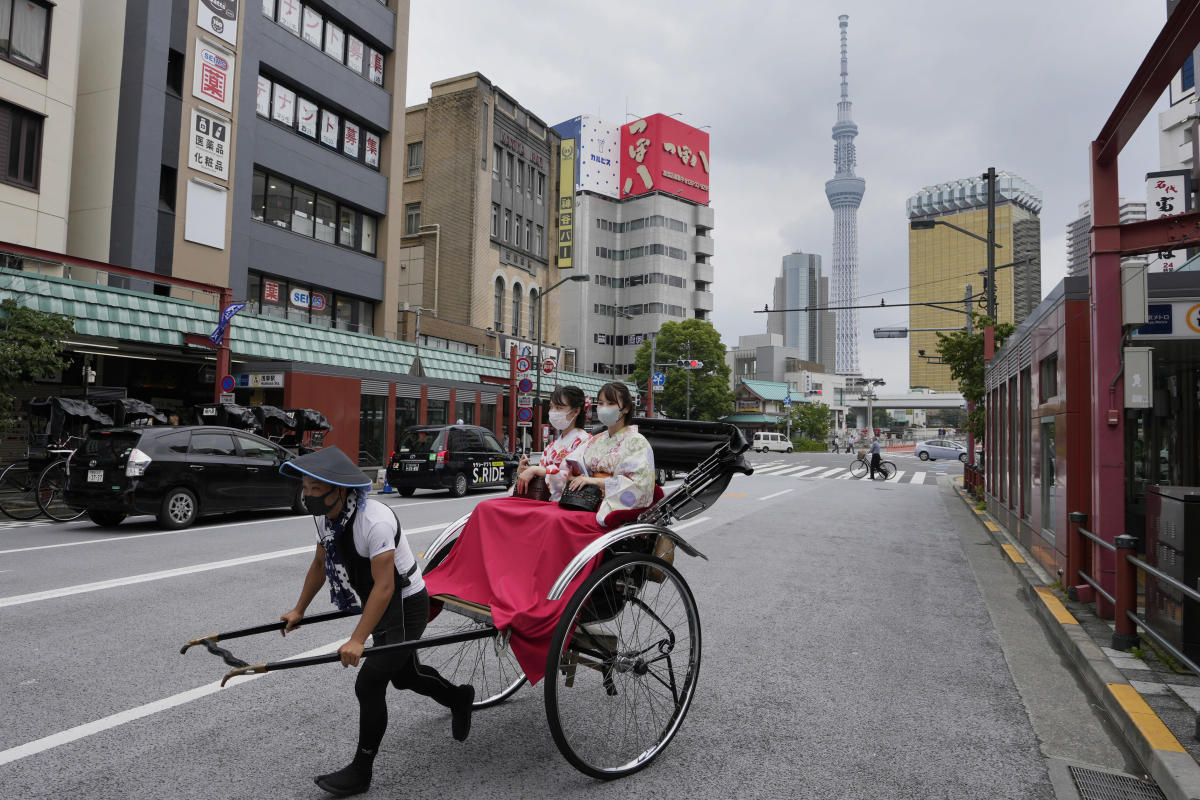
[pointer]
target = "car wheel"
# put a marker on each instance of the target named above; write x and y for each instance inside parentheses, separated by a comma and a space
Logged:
(298, 501)
(962, 457)
(407, 491)
(105, 519)
(789, 449)
(923, 455)
(510, 479)
(460, 485)
(179, 509)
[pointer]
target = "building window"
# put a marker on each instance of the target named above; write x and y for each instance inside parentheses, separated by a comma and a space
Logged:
(416, 156)
(520, 169)
(518, 231)
(21, 154)
(325, 217)
(537, 241)
(529, 182)
(498, 307)
(541, 185)
(25, 33)
(496, 220)
(175, 72)
(279, 202)
(516, 310)
(508, 167)
(1048, 378)
(529, 234)
(496, 155)
(535, 311)
(412, 219)
(507, 225)
(1187, 75)
(303, 211)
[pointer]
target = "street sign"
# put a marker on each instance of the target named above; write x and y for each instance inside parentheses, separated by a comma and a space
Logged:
(787, 401)
(524, 423)
(226, 397)
(524, 414)
(658, 379)
(524, 401)
(227, 384)
(548, 366)
(522, 364)
(525, 385)
(658, 387)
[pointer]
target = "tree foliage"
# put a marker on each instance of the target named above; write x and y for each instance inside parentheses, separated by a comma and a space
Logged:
(810, 420)
(963, 353)
(693, 338)
(30, 345)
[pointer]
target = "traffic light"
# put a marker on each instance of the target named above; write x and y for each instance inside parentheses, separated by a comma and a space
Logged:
(691, 363)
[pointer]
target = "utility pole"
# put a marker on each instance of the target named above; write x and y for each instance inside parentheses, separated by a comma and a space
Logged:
(970, 403)
(687, 408)
(653, 367)
(990, 177)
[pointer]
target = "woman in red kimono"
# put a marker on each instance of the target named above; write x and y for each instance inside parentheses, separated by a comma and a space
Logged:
(568, 414)
(513, 548)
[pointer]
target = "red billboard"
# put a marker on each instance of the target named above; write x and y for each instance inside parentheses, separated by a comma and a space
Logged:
(660, 153)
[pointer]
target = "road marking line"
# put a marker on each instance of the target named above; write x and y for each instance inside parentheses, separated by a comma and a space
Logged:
(129, 715)
(849, 474)
(899, 474)
(1013, 555)
(792, 469)
(831, 472)
(771, 468)
(1056, 607)
(1151, 727)
(768, 497)
(918, 477)
(734, 494)
(806, 471)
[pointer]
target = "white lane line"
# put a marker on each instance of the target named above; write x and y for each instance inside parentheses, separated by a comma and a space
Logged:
(807, 471)
(129, 715)
(830, 473)
(844, 477)
(792, 469)
(899, 474)
(133, 536)
(772, 468)
(768, 497)
(918, 478)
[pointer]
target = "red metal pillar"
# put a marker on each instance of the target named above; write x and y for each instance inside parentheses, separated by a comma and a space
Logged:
(1107, 423)
(512, 399)
(223, 357)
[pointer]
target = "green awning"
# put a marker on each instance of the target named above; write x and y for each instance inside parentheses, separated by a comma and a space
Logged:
(751, 419)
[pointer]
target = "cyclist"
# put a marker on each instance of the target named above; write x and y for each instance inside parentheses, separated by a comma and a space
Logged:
(874, 457)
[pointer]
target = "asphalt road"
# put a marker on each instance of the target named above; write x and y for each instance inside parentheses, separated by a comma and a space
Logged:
(849, 651)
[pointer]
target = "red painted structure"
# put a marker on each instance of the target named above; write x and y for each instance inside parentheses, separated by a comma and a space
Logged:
(661, 154)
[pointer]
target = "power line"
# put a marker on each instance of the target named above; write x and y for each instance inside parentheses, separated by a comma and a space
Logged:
(882, 304)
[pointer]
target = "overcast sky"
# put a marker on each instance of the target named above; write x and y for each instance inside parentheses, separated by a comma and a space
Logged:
(941, 90)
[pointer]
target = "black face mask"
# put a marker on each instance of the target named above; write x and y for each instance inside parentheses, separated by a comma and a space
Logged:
(317, 506)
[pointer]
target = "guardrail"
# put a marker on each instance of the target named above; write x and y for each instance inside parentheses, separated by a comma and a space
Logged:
(1125, 595)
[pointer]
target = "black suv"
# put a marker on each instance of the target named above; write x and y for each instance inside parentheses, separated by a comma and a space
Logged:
(178, 473)
(454, 457)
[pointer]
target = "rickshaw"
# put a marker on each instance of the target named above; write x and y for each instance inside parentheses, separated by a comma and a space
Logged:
(308, 432)
(230, 415)
(35, 486)
(624, 660)
(272, 423)
(128, 411)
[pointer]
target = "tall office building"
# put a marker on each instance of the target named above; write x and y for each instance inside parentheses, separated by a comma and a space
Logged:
(845, 194)
(800, 285)
(943, 261)
(1079, 234)
(642, 234)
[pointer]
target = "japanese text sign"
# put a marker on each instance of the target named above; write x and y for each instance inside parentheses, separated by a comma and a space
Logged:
(208, 145)
(213, 77)
(660, 153)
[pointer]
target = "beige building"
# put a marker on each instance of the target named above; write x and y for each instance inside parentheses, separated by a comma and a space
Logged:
(39, 64)
(481, 178)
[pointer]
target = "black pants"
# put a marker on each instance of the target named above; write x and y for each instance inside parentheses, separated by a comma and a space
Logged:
(403, 621)
(874, 465)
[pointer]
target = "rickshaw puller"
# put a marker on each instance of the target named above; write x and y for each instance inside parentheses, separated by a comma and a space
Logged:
(361, 551)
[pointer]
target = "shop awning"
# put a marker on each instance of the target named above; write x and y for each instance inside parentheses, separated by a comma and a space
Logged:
(751, 419)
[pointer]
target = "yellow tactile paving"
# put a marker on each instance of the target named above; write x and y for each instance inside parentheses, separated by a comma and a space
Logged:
(978, 511)
(1143, 716)
(991, 526)
(1013, 554)
(1055, 605)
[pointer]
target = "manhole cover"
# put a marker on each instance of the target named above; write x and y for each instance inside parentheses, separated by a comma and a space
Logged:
(1094, 784)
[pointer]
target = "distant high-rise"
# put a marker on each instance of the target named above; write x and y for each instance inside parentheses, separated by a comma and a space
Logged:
(845, 193)
(801, 285)
(1079, 234)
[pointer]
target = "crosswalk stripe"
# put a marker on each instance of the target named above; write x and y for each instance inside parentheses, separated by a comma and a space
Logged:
(848, 474)
(833, 471)
(899, 474)
(807, 471)
(791, 469)
(775, 470)
(918, 477)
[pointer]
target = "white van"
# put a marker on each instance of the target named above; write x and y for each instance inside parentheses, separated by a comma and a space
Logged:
(771, 441)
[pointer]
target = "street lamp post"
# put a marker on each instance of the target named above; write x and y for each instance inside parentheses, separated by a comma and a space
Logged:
(541, 327)
(417, 368)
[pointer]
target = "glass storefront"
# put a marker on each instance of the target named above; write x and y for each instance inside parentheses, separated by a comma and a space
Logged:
(406, 414)
(371, 430)
(435, 412)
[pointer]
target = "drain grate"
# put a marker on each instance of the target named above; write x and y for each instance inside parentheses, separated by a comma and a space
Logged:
(1096, 785)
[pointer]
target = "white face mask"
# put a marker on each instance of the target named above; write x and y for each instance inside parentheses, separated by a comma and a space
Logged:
(608, 415)
(561, 420)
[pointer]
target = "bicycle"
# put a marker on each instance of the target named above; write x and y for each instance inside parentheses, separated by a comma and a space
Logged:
(861, 467)
(52, 484)
(18, 492)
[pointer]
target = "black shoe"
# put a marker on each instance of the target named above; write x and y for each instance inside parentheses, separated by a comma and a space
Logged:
(347, 781)
(460, 714)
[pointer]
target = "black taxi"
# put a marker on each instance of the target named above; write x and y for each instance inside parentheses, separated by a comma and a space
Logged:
(454, 457)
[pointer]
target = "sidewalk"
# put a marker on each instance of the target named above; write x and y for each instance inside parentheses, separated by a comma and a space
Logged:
(1154, 707)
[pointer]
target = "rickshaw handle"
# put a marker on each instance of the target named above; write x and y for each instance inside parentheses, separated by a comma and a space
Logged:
(331, 658)
(212, 638)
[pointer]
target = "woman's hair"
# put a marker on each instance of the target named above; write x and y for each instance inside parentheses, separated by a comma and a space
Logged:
(572, 397)
(618, 393)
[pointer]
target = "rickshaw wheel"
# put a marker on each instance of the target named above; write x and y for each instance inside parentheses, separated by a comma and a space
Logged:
(623, 666)
(495, 676)
(51, 488)
(18, 493)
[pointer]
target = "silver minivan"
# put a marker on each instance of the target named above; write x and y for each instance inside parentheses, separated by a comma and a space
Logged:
(764, 441)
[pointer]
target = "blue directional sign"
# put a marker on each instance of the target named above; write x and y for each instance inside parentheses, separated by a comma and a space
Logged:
(659, 378)
(787, 401)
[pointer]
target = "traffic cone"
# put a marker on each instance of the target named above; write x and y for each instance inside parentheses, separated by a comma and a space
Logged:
(387, 487)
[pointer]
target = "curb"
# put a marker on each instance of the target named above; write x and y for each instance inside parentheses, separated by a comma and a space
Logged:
(1156, 748)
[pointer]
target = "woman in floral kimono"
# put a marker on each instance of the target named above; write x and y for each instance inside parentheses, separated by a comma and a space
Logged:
(568, 413)
(513, 549)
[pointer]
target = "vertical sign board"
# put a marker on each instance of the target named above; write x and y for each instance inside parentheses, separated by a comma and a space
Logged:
(1139, 377)
(1167, 194)
(566, 204)
(220, 17)
(660, 153)
(212, 81)
(208, 144)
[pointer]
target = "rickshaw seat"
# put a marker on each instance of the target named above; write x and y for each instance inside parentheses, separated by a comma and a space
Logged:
(625, 515)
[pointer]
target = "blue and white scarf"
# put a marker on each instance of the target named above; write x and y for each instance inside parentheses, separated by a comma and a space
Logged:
(340, 592)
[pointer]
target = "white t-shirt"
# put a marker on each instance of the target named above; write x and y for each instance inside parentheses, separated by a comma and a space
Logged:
(375, 533)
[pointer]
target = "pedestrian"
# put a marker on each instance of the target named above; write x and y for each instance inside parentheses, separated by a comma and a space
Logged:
(368, 564)
(833, 443)
(874, 456)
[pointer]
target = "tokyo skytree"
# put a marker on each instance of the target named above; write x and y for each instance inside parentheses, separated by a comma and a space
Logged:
(845, 193)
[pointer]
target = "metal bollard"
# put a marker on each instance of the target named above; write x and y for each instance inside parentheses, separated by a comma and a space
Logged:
(1077, 547)
(1125, 592)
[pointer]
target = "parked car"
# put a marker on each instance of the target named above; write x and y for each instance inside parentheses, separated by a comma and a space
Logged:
(454, 457)
(934, 449)
(177, 474)
(764, 441)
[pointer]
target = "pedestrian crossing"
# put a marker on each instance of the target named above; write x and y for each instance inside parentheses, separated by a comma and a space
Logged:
(790, 469)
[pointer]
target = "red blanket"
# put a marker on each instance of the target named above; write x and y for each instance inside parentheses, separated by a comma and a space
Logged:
(508, 557)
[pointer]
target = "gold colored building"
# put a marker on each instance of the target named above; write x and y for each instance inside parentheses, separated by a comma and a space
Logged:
(943, 262)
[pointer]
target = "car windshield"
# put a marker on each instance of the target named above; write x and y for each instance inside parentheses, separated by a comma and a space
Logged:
(421, 443)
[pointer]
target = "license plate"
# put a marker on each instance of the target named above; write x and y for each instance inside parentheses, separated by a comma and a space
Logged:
(95, 476)
(412, 466)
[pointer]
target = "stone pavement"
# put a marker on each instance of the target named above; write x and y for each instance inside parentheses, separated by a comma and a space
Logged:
(1154, 704)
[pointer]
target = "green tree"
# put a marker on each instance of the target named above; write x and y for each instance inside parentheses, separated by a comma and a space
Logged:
(30, 345)
(695, 339)
(963, 353)
(810, 420)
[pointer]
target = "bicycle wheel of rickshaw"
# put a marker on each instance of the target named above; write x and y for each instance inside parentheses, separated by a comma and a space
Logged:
(858, 468)
(623, 666)
(17, 496)
(51, 493)
(491, 668)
